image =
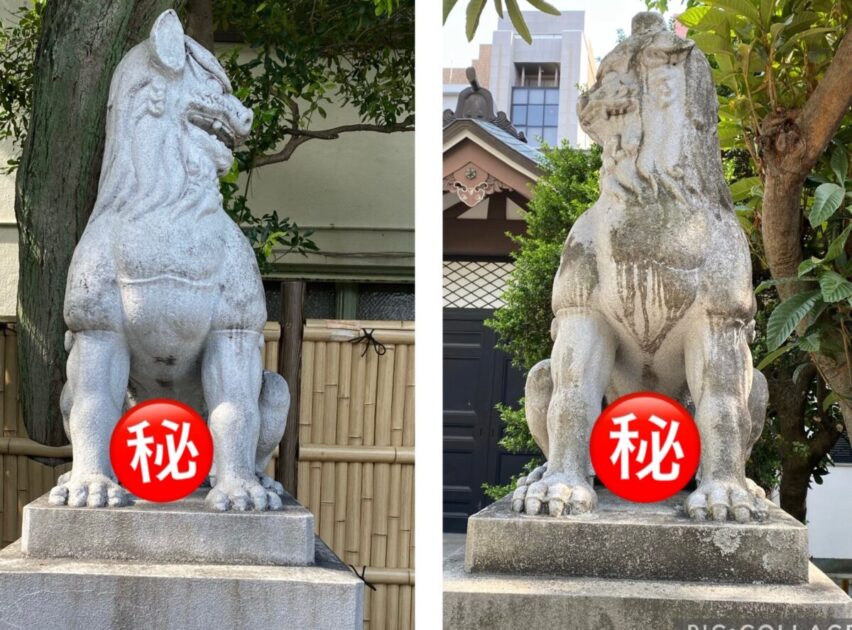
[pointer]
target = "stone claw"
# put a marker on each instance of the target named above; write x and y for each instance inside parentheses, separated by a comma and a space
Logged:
(723, 501)
(241, 495)
(93, 491)
(554, 495)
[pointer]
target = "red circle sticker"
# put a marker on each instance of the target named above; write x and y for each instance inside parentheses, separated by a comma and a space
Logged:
(645, 447)
(161, 450)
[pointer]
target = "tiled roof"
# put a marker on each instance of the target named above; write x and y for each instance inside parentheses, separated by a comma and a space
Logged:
(841, 453)
(508, 139)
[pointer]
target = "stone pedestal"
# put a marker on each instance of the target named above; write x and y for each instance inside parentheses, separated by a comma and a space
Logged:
(183, 531)
(643, 541)
(630, 567)
(174, 566)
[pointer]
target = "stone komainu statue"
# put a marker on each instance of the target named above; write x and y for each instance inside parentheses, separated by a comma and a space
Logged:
(654, 286)
(164, 297)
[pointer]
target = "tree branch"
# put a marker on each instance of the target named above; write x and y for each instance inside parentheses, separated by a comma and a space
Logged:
(300, 136)
(828, 103)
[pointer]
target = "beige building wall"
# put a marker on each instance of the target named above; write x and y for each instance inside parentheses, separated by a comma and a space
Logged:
(356, 192)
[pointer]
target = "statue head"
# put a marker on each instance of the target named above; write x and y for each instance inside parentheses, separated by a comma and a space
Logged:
(172, 119)
(653, 110)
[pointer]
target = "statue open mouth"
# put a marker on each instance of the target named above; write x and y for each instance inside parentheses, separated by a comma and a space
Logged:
(215, 127)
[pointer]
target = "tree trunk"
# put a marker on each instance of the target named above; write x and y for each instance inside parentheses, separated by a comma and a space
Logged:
(80, 44)
(199, 22)
(290, 367)
(791, 143)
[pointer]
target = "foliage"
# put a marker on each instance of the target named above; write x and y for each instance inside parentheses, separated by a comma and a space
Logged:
(566, 189)
(302, 56)
(18, 42)
(768, 57)
(475, 8)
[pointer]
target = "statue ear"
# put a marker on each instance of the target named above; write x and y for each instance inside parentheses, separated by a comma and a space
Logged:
(167, 42)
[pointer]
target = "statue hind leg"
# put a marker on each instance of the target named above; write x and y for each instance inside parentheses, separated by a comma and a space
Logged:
(537, 394)
(758, 399)
(274, 406)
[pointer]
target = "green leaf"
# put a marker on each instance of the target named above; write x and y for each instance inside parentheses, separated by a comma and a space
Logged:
(767, 8)
(448, 6)
(807, 265)
(712, 44)
(790, 43)
(769, 358)
(474, 11)
(518, 20)
(714, 20)
(827, 199)
(787, 315)
(834, 287)
(742, 8)
(838, 245)
(693, 16)
(498, 5)
(742, 189)
(544, 7)
(809, 343)
(840, 163)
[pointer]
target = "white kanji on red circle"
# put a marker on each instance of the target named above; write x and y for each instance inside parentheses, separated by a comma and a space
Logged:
(172, 451)
(626, 445)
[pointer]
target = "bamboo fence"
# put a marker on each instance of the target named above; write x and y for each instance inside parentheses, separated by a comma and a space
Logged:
(356, 456)
(25, 479)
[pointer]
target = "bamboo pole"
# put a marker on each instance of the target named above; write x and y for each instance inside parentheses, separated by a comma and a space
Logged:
(353, 525)
(374, 454)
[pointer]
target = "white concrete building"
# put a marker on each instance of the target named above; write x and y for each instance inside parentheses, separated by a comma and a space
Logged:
(536, 84)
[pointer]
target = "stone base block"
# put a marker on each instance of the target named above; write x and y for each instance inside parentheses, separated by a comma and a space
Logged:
(66, 594)
(183, 531)
(500, 602)
(650, 541)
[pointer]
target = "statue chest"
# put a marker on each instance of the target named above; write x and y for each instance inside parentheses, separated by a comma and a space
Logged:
(650, 278)
(153, 247)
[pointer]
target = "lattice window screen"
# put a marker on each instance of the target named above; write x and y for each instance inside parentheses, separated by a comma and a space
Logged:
(475, 284)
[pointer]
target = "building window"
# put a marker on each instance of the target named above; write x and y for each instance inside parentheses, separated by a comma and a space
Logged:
(535, 111)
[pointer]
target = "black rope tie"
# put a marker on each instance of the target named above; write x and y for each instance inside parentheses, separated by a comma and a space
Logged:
(371, 341)
(361, 575)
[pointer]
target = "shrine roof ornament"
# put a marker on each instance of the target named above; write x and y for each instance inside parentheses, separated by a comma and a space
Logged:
(477, 103)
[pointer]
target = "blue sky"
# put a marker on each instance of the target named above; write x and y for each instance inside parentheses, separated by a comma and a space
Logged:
(603, 19)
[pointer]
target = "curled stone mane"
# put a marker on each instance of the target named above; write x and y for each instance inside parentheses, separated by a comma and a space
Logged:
(133, 184)
(670, 128)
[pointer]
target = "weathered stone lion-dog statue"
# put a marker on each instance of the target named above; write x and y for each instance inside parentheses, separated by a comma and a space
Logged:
(654, 289)
(164, 296)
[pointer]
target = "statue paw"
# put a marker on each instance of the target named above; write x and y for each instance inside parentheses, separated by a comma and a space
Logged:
(270, 484)
(88, 490)
(241, 495)
(725, 500)
(553, 494)
(755, 489)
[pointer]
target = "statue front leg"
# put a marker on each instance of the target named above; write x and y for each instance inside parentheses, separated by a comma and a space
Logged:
(581, 365)
(231, 376)
(98, 371)
(720, 377)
